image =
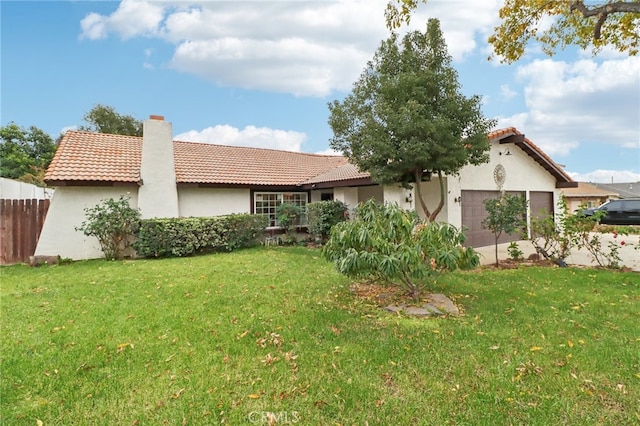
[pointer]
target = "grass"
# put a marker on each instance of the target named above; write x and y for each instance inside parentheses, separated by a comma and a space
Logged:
(232, 337)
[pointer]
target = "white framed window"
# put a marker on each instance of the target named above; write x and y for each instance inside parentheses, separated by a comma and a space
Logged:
(266, 203)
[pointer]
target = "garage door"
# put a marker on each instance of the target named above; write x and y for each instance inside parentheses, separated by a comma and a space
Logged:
(473, 213)
(541, 203)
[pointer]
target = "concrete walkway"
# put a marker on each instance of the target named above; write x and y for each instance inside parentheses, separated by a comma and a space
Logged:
(630, 257)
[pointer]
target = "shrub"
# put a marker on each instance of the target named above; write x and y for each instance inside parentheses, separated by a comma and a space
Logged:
(555, 241)
(288, 216)
(394, 246)
(114, 223)
(188, 236)
(323, 215)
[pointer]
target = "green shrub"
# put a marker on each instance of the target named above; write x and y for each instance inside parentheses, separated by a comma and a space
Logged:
(187, 236)
(394, 246)
(323, 215)
(288, 216)
(114, 223)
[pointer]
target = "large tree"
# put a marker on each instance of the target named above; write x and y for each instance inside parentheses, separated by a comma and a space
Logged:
(406, 119)
(105, 119)
(593, 25)
(25, 153)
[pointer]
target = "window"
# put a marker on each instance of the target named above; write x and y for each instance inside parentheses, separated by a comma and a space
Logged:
(265, 203)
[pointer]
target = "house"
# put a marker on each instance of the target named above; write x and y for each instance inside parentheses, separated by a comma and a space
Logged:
(587, 195)
(167, 178)
(623, 190)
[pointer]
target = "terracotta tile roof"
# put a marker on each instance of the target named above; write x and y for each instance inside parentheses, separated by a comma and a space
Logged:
(220, 164)
(346, 171)
(97, 157)
(87, 156)
(534, 152)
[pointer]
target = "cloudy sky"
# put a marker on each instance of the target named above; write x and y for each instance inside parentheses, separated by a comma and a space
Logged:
(261, 73)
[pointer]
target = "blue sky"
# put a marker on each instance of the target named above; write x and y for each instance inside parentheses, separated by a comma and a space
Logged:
(261, 73)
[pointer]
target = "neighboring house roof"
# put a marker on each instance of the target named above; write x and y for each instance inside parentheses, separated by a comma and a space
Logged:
(90, 158)
(623, 190)
(512, 135)
(585, 190)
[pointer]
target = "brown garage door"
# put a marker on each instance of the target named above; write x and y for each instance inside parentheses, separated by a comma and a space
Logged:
(541, 203)
(473, 212)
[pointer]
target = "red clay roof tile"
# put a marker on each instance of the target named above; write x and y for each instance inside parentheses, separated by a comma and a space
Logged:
(86, 157)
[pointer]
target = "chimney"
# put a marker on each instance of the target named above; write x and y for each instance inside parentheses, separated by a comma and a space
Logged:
(158, 195)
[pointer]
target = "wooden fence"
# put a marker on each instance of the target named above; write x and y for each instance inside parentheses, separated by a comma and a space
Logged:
(20, 226)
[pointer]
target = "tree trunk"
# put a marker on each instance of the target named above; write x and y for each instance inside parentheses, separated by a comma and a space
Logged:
(441, 204)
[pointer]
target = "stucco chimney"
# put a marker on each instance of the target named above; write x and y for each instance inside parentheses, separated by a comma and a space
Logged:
(158, 195)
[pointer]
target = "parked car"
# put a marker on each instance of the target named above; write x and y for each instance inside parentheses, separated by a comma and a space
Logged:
(617, 212)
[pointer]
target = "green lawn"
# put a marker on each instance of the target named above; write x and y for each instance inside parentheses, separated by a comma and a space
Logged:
(231, 337)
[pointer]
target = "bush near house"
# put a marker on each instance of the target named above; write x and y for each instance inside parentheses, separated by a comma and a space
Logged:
(323, 215)
(187, 236)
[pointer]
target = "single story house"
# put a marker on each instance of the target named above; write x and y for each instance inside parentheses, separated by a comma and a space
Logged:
(167, 178)
(623, 190)
(587, 195)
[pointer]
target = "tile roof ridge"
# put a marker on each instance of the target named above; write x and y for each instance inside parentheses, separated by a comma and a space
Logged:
(90, 132)
(261, 149)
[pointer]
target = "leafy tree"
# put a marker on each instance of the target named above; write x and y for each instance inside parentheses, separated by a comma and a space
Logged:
(507, 214)
(602, 23)
(406, 119)
(391, 245)
(114, 223)
(105, 119)
(25, 153)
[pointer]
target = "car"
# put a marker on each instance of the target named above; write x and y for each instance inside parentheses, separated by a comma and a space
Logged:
(617, 212)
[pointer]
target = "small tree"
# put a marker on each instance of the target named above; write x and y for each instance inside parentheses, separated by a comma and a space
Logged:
(507, 214)
(114, 223)
(394, 246)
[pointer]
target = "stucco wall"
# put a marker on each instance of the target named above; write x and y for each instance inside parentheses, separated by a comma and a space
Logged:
(431, 193)
(213, 201)
(66, 212)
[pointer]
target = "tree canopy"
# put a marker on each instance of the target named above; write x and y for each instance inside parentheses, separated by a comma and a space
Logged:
(25, 153)
(406, 119)
(595, 25)
(105, 119)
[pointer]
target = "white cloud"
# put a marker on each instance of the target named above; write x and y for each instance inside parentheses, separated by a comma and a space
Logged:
(132, 18)
(329, 151)
(507, 92)
(607, 176)
(584, 101)
(300, 47)
(250, 136)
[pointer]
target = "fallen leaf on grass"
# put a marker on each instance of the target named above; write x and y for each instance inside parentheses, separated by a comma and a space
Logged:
(177, 394)
(535, 348)
(253, 396)
(122, 346)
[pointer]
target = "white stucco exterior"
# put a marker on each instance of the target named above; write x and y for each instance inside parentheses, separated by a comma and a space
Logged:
(66, 212)
(202, 202)
(158, 196)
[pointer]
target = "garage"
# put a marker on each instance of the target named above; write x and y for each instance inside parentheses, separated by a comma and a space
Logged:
(473, 213)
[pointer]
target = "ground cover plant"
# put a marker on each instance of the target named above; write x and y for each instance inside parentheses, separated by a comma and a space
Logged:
(275, 334)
